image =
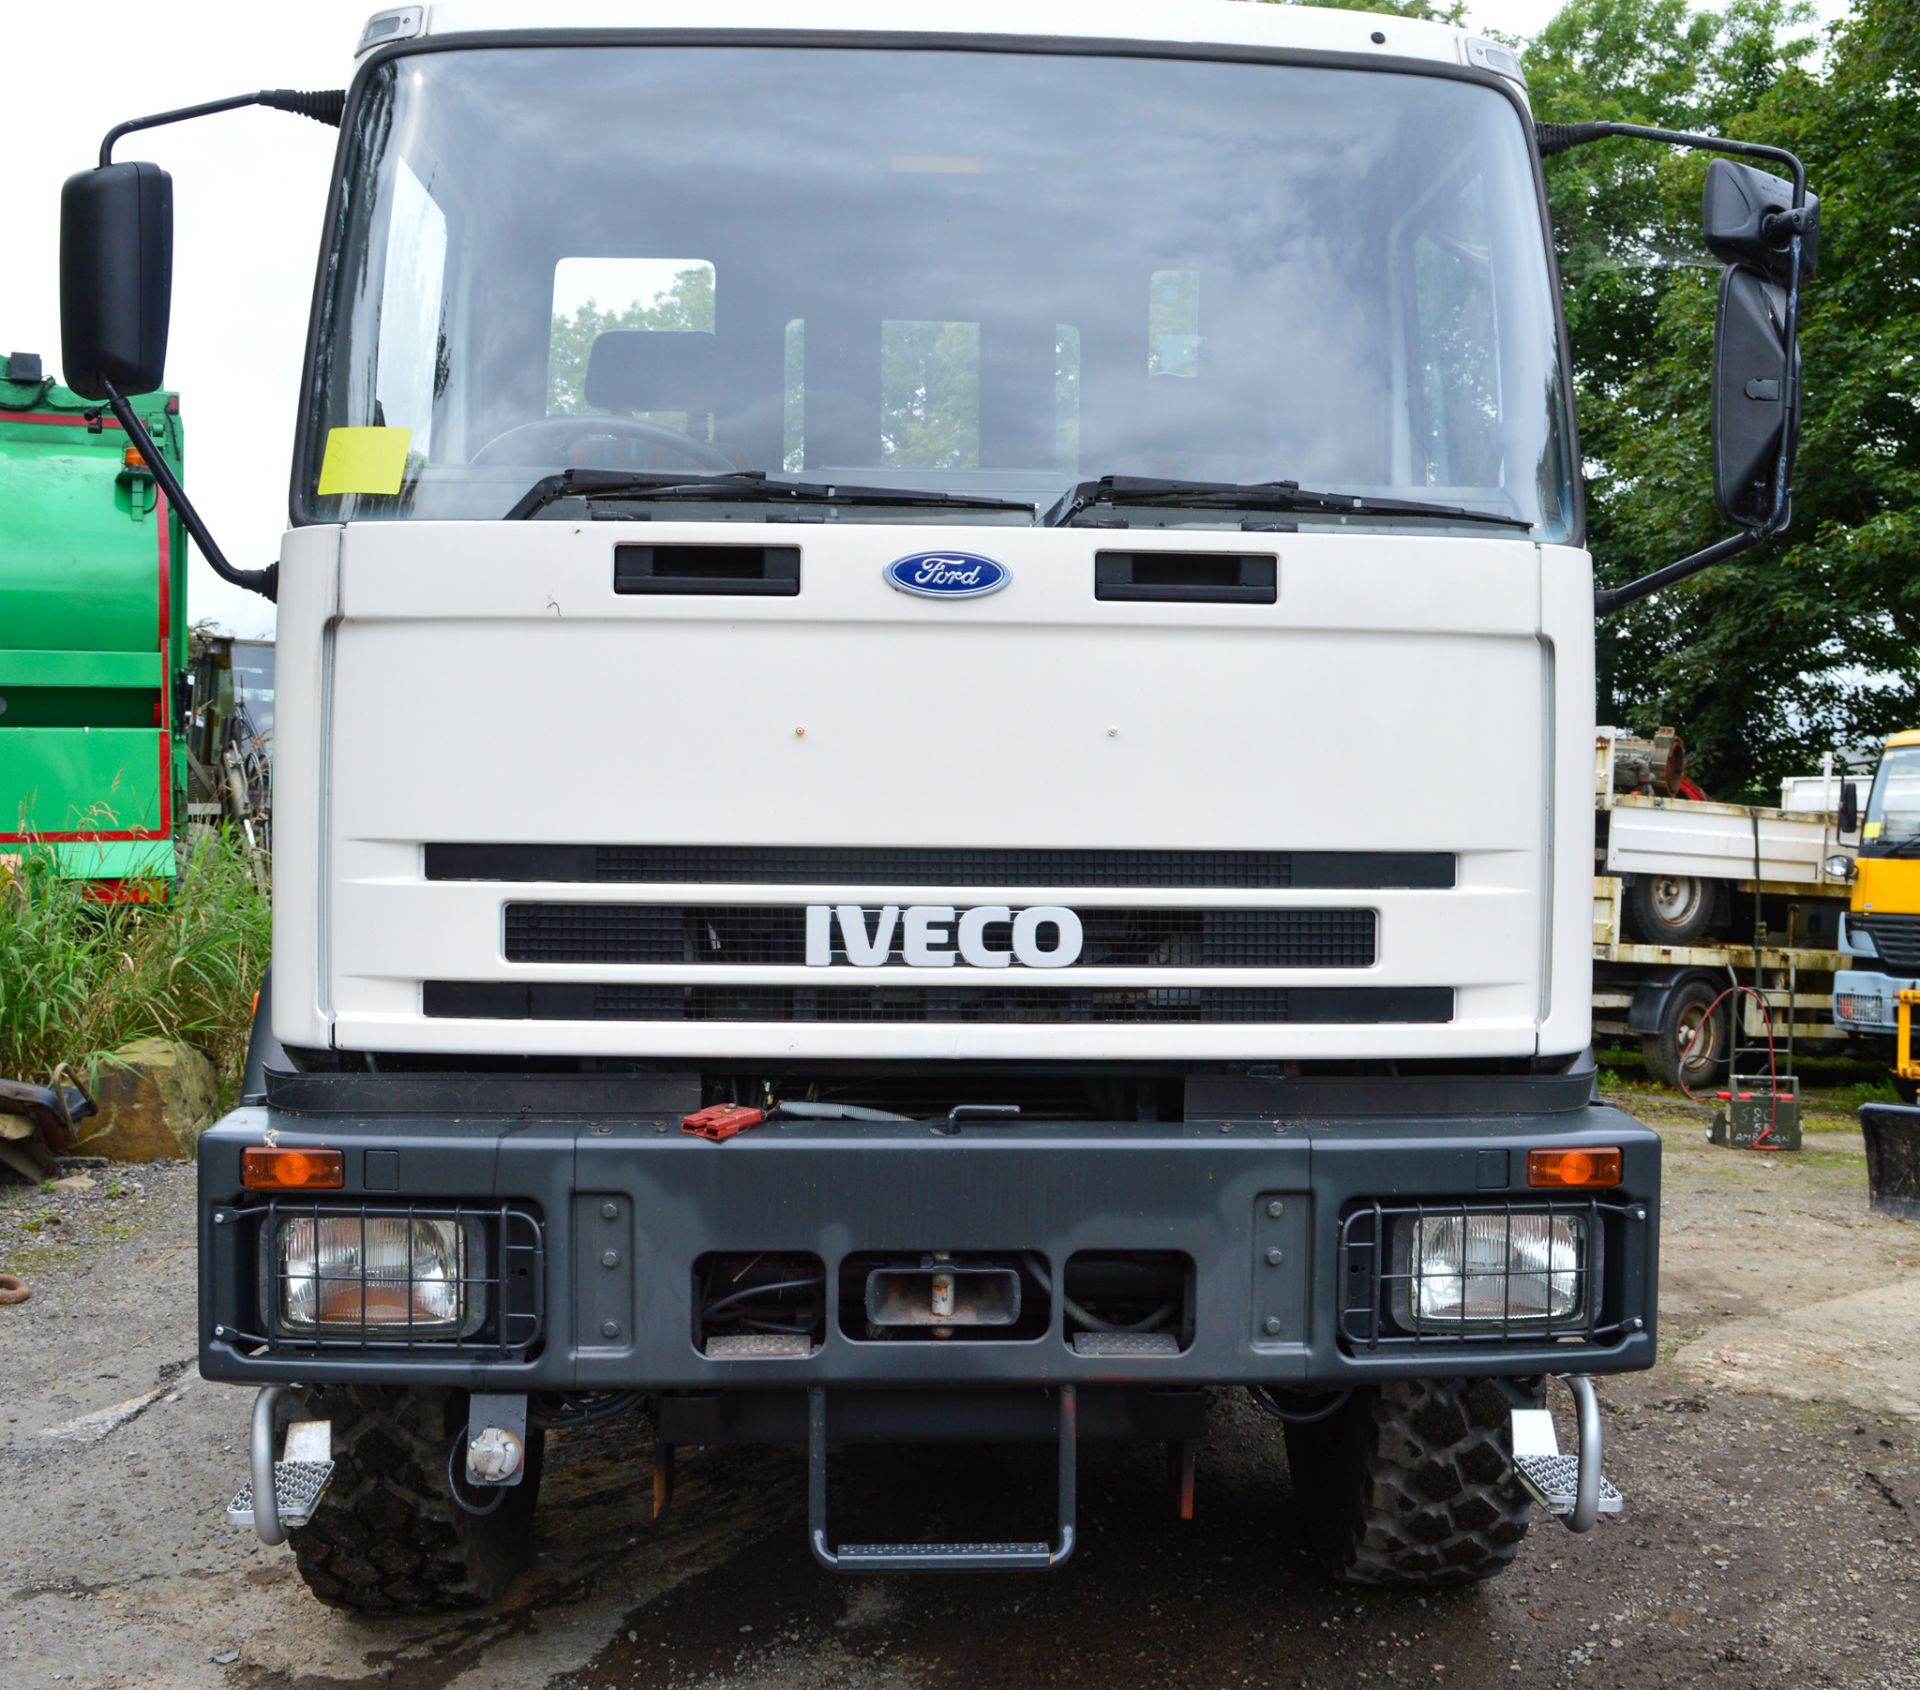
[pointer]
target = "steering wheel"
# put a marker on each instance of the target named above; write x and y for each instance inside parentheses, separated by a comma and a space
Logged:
(548, 437)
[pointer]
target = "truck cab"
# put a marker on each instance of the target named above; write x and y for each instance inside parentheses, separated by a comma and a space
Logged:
(1881, 929)
(884, 526)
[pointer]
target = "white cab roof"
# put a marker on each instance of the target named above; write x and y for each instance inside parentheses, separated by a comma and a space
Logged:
(1230, 23)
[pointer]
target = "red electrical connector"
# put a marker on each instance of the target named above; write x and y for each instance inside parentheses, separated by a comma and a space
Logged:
(721, 1120)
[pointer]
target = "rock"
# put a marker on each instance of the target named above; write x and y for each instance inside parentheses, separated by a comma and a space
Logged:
(156, 1098)
(73, 1182)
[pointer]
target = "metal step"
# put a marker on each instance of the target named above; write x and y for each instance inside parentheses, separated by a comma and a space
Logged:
(1130, 1344)
(943, 1557)
(1571, 1488)
(1554, 1481)
(297, 1489)
(939, 1557)
(759, 1346)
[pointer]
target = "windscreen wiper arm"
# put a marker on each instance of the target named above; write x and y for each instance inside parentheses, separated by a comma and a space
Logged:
(748, 485)
(1252, 495)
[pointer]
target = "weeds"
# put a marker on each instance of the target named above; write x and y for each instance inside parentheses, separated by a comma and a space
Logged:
(79, 979)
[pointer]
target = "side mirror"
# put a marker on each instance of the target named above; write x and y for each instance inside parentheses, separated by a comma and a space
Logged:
(1849, 807)
(1747, 219)
(116, 278)
(1751, 427)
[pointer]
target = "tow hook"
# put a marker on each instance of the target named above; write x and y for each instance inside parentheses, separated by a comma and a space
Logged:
(1570, 1487)
(280, 1496)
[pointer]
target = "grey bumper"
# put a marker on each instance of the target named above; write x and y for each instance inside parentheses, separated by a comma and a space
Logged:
(621, 1210)
(1864, 1001)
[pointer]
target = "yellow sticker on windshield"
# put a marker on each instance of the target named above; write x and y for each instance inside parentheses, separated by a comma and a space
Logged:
(364, 460)
(1870, 831)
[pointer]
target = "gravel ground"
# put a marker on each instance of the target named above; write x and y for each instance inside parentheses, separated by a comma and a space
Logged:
(91, 1203)
(1771, 1465)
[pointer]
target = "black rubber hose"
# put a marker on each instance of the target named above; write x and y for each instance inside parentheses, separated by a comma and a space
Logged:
(753, 1291)
(1147, 1323)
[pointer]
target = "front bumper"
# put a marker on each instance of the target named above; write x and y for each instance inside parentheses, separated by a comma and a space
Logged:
(1268, 1211)
(1864, 1001)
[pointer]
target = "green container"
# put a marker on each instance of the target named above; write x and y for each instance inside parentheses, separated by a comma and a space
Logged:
(93, 637)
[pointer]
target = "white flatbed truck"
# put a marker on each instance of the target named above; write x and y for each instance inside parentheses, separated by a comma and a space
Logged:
(1681, 887)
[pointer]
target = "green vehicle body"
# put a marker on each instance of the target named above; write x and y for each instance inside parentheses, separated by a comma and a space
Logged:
(93, 639)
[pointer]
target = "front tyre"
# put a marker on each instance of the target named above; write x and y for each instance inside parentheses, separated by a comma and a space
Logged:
(388, 1537)
(1411, 1483)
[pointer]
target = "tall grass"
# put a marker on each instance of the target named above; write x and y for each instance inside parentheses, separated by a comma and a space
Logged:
(80, 978)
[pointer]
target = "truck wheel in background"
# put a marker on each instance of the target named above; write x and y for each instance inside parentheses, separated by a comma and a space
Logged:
(1681, 1015)
(1411, 1483)
(1667, 909)
(388, 1537)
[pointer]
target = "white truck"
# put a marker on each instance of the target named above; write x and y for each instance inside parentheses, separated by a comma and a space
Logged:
(879, 516)
(1693, 898)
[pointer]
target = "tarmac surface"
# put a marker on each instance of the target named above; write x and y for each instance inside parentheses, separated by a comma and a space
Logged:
(1771, 1465)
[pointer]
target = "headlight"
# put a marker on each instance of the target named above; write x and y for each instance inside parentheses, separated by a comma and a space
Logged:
(1862, 1006)
(391, 1276)
(1477, 1272)
(1840, 866)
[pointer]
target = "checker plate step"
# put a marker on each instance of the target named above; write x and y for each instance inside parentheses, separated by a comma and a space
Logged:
(1554, 1481)
(759, 1346)
(297, 1489)
(1012, 1553)
(1125, 1344)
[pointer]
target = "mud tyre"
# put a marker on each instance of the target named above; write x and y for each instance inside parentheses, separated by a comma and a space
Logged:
(388, 1537)
(1411, 1483)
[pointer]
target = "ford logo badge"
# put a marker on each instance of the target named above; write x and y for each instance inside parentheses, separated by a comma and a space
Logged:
(947, 575)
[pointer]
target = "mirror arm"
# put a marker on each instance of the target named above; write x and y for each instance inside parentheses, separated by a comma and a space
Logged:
(265, 582)
(1561, 137)
(1606, 600)
(326, 107)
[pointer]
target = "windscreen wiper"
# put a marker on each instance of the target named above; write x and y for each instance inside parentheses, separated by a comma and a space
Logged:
(749, 486)
(1252, 495)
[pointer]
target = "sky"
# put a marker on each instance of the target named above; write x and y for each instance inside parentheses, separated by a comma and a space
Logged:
(249, 195)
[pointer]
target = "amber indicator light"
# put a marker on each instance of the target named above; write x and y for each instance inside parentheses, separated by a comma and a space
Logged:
(271, 1168)
(1570, 1168)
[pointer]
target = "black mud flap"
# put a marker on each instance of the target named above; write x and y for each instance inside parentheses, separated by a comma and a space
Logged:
(1892, 1132)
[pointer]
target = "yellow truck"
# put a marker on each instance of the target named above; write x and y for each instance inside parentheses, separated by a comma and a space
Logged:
(1880, 935)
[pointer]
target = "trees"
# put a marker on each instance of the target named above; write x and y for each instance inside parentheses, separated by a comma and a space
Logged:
(1812, 642)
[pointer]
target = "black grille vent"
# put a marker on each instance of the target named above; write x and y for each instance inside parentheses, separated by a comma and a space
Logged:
(1017, 1005)
(820, 865)
(742, 934)
(1895, 937)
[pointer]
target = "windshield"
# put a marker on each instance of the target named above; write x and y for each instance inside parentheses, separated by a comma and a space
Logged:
(987, 273)
(1893, 806)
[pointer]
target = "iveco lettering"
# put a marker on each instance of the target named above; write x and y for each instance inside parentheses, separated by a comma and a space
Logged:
(779, 1012)
(938, 936)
